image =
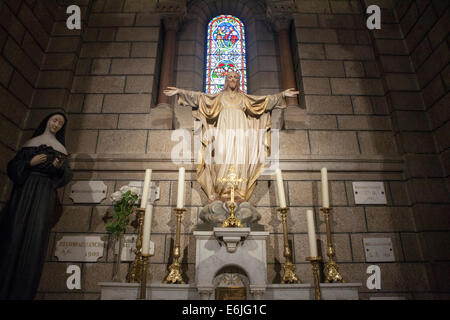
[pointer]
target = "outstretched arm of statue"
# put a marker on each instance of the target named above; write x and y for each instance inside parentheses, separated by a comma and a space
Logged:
(185, 97)
(291, 93)
(170, 91)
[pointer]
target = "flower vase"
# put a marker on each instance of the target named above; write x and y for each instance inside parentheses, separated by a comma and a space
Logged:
(117, 258)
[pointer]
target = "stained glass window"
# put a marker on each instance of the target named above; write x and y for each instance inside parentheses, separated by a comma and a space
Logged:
(225, 52)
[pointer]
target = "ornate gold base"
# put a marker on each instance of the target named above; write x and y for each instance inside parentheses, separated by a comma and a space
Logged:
(174, 275)
(232, 221)
(289, 275)
(332, 274)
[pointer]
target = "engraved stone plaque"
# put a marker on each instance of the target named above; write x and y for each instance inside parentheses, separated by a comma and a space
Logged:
(88, 192)
(378, 249)
(154, 190)
(129, 248)
(79, 248)
(369, 192)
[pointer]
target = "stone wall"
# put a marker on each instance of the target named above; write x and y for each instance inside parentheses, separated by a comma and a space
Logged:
(27, 30)
(359, 91)
(416, 77)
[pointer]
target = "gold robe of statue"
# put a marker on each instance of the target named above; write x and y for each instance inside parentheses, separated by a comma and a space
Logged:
(223, 144)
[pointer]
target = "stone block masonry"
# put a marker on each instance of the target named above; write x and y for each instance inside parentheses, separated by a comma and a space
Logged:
(374, 108)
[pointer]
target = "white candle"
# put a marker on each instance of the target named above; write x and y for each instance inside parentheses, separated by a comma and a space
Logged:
(147, 229)
(180, 198)
(281, 196)
(311, 233)
(325, 198)
(146, 188)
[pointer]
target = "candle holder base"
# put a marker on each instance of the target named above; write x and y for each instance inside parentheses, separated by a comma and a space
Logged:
(174, 275)
(289, 275)
(332, 274)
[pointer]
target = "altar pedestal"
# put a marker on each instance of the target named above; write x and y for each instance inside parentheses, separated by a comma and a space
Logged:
(231, 247)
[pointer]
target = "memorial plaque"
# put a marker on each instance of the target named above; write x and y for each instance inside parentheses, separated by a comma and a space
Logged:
(153, 194)
(88, 192)
(79, 248)
(369, 192)
(129, 248)
(378, 249)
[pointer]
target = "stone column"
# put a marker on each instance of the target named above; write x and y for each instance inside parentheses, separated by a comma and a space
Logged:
(281, 25)
(280, 19)
(161, 116)
(171, 25)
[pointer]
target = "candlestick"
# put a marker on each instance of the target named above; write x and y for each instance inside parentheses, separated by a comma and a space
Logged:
(289, 275)
(311, 233)
(325, 198)
(315, 266)
(146, 188)
(136, 267)
(175, 275)
(147, 229)
(143, 295)
(331, 269)
(281, 195)
(180, 195)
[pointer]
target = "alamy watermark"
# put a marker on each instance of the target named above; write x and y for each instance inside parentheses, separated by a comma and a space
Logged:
(374, 20)
(74, 20)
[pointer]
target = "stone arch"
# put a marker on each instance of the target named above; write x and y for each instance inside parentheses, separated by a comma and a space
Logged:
(255, 271)
(231, 276)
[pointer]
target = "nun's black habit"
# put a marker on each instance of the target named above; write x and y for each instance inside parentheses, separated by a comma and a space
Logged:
(29, 215)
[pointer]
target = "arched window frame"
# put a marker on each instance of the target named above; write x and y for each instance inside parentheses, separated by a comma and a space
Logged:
(213, 64)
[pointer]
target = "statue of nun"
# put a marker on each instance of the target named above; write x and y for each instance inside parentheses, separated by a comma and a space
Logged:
(38, 169)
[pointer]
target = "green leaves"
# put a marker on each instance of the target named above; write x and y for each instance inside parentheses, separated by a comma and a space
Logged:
(122, 210)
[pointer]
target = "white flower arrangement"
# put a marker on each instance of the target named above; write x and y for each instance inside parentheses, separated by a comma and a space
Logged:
(118, 195)
(124, 203)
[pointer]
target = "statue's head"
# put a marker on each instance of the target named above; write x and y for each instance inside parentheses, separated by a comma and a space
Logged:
(233, 81)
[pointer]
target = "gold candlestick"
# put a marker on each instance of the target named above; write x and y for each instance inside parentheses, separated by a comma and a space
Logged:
(232, 180)
(145, 258)
(331, 269)
(315, 266)
(135, 271)
(174, 275)
(289, 275)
